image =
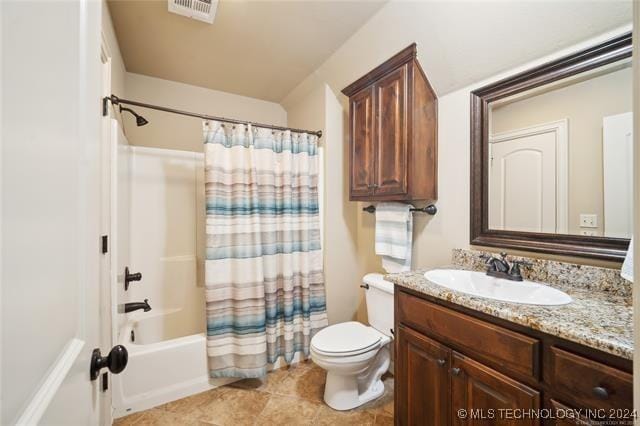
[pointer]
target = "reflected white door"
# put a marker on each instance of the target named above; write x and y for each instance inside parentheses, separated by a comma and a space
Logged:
(617, 156)
(51, 211)
(523, 172)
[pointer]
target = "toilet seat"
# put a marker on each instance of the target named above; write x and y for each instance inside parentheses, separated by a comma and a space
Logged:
(346, 339)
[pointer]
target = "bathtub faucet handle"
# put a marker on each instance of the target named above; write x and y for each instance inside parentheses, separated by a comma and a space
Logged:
(129, 277)
(135, 306)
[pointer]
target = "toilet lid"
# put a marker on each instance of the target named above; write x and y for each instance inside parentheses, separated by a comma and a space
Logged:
(347, 338)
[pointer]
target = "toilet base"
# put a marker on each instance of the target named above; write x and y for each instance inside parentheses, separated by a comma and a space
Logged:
(344, 392)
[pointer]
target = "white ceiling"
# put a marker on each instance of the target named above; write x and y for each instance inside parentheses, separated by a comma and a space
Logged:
(261, 49)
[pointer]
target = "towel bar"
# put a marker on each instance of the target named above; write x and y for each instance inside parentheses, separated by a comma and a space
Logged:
(430, 209)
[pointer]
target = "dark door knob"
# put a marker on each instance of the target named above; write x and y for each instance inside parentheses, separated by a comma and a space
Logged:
(116, 361)
(600, 392)
(129, 277)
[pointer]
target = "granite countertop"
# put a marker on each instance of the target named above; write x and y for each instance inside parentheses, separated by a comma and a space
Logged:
(598, 319)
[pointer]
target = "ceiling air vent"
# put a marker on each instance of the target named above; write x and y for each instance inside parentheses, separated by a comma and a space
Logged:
(202, 10)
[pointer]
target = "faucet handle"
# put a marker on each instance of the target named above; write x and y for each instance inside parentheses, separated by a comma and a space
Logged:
(514, 272)
(486, 257)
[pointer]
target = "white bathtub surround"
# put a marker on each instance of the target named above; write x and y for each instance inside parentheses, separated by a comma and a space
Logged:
(263, 271)
(164, 194)
(394, 236)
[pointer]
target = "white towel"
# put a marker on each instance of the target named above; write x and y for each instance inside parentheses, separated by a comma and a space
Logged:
(394, 232)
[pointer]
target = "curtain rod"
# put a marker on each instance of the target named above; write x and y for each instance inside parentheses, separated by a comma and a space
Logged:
(116, 101)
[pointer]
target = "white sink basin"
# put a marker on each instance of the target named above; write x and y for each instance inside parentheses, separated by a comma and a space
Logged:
(482, 285)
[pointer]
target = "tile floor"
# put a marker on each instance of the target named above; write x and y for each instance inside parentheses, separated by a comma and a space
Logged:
(289, 396)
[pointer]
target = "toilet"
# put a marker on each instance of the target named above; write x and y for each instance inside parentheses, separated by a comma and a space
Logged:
(355, 355)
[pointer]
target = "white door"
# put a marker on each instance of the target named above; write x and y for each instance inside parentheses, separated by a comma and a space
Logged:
(617, 156)
(51, 212)
(524, 179)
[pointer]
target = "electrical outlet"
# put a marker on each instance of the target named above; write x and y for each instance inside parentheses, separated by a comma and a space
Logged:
(588, 232)
(588, 220)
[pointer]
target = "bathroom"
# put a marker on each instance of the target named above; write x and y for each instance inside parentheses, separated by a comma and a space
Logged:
(317, 212)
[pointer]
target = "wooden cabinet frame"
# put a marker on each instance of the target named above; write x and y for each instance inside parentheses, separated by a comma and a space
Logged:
(401, 136)
(453, 340)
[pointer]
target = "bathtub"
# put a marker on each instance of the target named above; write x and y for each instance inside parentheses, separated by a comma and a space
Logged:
(161, 234)
(161, 216)
(160, 371)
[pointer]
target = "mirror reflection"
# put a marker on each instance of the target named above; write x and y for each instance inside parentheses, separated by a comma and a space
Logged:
(560, 158)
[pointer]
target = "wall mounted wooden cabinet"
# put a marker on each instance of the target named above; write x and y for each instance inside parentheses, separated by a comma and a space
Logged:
(393, 133)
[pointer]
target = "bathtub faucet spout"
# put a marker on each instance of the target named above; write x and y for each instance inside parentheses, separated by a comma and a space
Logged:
(135, 306)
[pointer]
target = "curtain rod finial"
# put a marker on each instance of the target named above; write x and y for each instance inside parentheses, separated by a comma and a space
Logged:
(319, 134)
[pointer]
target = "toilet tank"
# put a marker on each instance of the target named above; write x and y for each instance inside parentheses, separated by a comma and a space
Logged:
(379, 303)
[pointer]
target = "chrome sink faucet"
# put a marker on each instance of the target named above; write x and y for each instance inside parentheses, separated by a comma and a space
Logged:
(501, 268)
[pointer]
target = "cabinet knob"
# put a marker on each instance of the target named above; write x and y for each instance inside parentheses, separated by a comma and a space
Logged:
(455, 371)
(441, 362)
(600, 392)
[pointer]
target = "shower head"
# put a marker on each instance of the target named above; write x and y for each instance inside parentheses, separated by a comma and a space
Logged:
(140, 120)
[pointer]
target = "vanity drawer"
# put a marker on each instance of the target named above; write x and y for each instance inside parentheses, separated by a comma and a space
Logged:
(515, 351)
(590, 383)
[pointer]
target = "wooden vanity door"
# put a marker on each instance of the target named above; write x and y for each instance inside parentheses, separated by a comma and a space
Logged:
(362, 149)
(422, 380)
(564, 419)
(478, 388)
(391, 133)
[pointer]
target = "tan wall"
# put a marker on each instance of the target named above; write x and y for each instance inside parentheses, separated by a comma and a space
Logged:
(584, 105)
(320, 109)
(185, 133)
(434, 237)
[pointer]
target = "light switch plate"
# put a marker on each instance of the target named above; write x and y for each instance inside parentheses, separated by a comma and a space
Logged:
(588, 220)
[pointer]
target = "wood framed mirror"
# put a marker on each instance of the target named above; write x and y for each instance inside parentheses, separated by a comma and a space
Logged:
(551, 169)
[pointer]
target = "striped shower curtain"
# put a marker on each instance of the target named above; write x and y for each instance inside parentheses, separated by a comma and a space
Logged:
(263, 270)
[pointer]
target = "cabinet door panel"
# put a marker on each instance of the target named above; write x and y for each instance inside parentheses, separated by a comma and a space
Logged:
(422, 385)
(362, 149)
(391, 133)
(482, 392)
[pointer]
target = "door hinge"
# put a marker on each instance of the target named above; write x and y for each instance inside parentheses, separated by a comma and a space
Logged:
(105, 244)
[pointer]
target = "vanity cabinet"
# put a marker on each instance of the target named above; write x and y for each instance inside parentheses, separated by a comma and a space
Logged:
(451, 359)
(393, 133)
(425, 392)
